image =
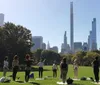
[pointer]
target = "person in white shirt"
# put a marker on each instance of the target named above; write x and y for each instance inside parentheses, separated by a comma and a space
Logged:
(75, 66)
(41, 64)
(5, 66)
(54, 69)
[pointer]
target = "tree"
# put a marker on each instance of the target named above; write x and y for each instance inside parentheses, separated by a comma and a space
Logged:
(50, 56)
(16, 39)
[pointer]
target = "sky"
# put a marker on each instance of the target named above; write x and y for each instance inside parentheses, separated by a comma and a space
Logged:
(50, 18)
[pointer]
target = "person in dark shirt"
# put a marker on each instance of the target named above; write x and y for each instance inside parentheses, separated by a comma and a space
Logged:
(64, 69)
(96, 69)
(28, 63)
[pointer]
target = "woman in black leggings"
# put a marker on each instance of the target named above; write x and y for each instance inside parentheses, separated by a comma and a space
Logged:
(15, 66)
(28, 63)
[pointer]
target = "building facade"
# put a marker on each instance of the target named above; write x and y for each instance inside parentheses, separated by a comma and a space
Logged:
(38, 41)
(1, 19)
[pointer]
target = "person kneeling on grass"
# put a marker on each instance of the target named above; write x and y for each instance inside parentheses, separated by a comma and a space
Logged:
(64, 69)
(54, 69)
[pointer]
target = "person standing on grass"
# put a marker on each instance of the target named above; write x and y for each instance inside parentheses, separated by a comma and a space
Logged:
(5, 66)
(54, 69)
(28, 63)
(75, 66)
(64, 69)
(15, 66)
(41, 64)
(96, 69)
(60, 70)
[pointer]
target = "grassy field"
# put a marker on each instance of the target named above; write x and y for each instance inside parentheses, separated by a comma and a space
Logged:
(83, 71)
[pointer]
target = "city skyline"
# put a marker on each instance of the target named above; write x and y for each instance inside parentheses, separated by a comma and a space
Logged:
(50, 18)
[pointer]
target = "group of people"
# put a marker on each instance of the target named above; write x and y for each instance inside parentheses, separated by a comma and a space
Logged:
(63, 68)
(15, 67)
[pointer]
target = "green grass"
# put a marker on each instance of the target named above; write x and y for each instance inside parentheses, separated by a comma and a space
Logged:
(83, 71)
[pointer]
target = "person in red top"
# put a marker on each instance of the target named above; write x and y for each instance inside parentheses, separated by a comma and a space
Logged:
(28, 63)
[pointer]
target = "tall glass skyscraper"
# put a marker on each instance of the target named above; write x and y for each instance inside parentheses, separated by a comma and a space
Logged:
(71, 28)
(92, 39)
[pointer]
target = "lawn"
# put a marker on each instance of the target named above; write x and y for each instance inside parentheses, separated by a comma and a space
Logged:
(83, 71)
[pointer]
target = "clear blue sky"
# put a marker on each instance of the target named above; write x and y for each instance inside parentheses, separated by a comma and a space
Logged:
(50, 18)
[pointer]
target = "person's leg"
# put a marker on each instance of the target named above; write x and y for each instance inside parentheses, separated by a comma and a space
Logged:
(39, 71)
(55, 73)
(97, 75)
(64, 73)
(75, 73)
(28, 75)
(25, 75)
(14, 73)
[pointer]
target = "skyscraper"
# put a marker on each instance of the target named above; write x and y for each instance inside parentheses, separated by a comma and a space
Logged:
(65, 42)
(1, 19)
(71, 28)
(94, 40)
(38, 41)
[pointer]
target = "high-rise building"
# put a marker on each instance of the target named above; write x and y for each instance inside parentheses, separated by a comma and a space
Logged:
(48, 46)
(71, 28)
(38, 41)
(85, 46)
(65, 42)
(1, 19)
(92, 39)
(77, 46)
(43, 46)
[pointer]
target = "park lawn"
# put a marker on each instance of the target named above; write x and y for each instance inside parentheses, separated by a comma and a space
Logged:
(83, 71)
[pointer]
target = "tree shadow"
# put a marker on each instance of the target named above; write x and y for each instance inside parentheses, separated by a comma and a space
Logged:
(34, 83)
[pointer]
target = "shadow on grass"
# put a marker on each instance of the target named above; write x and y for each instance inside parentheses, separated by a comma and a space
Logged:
(37, 69)
(20, 81)
(77, 84)
(34, 83)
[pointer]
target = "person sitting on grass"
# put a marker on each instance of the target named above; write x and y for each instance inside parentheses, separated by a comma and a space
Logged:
(54, 69)
(64, 69)
(15, 66)
(5, 66)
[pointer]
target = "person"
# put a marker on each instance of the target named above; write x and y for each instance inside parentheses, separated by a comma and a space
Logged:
(28, 63)
(41, 64)
(15, 66)
(96, 69)
(60, 70)
(5, 66)
(64, 69)
(54, 69)
(75, 67)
